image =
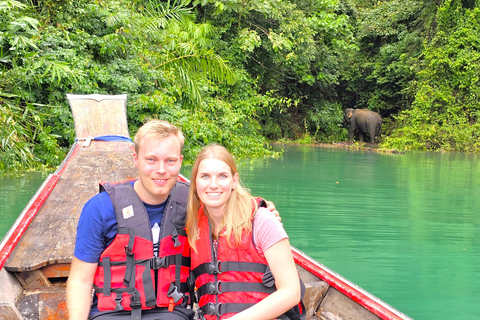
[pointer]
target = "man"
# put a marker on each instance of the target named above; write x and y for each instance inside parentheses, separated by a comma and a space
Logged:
(130, 281)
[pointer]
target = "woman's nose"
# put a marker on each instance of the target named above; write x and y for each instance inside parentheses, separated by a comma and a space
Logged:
(213, 183)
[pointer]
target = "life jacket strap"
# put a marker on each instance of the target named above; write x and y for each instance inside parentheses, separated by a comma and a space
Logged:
(218, 267)
(107, 278)
(164, 262)
(220, 309)
(213, 288)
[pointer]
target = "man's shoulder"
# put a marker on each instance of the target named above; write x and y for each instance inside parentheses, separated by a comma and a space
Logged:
(181, 187)
(183, 183)
(100, 201)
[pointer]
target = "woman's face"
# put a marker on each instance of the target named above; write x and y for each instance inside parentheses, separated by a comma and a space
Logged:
(214, 184)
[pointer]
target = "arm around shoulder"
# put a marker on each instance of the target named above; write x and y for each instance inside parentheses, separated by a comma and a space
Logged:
(79, 289)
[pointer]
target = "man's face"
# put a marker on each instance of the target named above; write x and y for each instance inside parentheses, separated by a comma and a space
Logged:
(158, 161)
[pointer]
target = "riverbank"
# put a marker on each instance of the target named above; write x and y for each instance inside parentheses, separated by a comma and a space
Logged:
(366, 146)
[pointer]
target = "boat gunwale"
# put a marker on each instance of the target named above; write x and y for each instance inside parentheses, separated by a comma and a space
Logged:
(351, 290)
(22, 223)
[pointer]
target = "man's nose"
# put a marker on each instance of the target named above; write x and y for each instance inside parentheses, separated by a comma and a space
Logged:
(160, 167)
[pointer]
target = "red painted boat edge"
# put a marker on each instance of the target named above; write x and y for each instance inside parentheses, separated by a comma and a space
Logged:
(362, 297)
(22, 225)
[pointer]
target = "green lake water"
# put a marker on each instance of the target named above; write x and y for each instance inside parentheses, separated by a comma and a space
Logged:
(404, 227)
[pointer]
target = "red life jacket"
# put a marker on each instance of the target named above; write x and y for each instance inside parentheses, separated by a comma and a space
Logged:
(237, 274)
(125, 277)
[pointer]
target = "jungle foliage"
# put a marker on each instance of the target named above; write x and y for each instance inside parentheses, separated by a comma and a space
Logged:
(222, 69)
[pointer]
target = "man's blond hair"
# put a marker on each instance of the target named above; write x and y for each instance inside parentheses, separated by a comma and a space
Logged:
(158, 129)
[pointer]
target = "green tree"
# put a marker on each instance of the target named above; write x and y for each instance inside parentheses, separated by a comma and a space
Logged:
(292, 52)
(444, 114)
(25, 140)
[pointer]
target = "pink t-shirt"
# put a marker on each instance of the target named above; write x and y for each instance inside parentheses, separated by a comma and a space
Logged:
(267, 230)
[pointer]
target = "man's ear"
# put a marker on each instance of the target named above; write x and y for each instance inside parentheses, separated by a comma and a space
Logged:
(135, 159)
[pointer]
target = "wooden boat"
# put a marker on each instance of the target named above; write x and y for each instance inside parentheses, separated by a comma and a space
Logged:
(35, 254)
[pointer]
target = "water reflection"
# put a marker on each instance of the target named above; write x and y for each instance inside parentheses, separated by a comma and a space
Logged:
(401, 226)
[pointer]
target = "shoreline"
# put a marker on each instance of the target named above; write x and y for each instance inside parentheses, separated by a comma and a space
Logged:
(366, 146)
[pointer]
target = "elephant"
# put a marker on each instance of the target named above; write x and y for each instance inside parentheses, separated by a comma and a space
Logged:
(364, 122)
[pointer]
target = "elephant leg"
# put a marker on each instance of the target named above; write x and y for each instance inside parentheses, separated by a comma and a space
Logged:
(372, 136)
(361, 135)
(351, 132)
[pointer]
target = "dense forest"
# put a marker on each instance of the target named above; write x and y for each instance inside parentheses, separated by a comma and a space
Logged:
(262, 70)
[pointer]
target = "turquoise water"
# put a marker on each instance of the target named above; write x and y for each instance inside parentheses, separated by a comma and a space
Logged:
(404, 227)
(15, 193)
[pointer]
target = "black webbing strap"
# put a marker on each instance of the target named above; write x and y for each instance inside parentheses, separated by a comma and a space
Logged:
(219, 267)
(148, 287)
(178, 267)
(136, 305)
(223, 287)
(224, 308)
(129, 271)
(107, 277)
(164, 262)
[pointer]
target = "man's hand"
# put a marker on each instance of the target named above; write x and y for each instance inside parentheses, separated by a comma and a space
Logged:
(271, 207)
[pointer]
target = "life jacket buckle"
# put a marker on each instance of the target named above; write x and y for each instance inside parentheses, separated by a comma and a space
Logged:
(268, 279)
(214, 267)
(214, 288)
(176, 242)
(213, 309)
(135, 302)
(118, 302)
(157, 263)
(173, 293)
(128, 251)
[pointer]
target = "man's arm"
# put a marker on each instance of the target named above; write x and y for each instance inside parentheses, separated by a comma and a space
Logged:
(79, 289)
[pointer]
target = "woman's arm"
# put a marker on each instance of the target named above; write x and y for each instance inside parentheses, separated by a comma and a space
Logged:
(280, 260)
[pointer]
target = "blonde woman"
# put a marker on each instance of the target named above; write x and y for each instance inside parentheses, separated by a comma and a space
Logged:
(241, 255)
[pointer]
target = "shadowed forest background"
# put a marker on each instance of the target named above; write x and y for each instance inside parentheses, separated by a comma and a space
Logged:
(241, 73)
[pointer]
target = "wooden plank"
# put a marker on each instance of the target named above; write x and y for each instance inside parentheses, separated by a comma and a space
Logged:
(9, 292)
(96, 115)
(337, 306)
(314, 294)
(61, 270)
(8, 311)
(44, 304)
(31, 280)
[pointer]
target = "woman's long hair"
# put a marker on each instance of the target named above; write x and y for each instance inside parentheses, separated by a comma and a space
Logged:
(238, 208)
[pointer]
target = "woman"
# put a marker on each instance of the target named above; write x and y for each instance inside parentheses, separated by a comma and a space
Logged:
(237, 246)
